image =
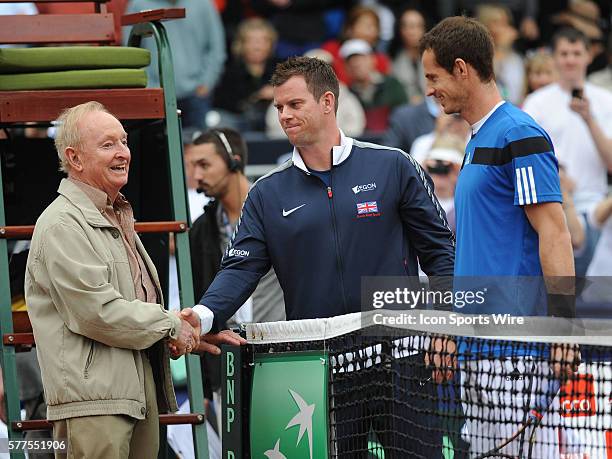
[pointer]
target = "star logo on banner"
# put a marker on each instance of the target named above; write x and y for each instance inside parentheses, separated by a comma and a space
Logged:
(275, 453)
(303, 418)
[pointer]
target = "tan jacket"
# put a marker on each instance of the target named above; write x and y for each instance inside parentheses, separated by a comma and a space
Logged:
(88, 326)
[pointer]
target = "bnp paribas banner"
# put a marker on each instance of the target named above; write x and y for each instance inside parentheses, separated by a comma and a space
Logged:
(289, 407)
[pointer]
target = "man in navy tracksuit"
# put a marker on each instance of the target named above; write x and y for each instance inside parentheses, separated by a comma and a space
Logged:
(339, 210)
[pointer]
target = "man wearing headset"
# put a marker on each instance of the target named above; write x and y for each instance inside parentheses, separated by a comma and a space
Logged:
(218, 158)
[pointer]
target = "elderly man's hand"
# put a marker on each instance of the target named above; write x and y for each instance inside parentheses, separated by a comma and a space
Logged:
(210, 341)
(187, 341)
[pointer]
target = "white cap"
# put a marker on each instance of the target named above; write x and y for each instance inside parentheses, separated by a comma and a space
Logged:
(355, 46)
(445, 154)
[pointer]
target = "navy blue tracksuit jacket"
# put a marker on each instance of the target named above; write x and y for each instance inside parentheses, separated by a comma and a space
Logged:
(377, 217)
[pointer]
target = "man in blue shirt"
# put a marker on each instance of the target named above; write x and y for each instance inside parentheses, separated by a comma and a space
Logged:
(509, 223)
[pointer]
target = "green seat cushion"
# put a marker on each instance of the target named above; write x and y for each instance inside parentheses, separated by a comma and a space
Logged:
(75, 79)
(30, 60)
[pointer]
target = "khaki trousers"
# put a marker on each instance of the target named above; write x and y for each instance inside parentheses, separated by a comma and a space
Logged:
(113, 437)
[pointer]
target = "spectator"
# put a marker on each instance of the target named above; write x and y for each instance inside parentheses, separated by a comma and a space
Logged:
(350, 116)
(578, 117)
(524, 13)
(243, 93)
(198, 54)
(407, 66)
(585, 15)
(443, 163)
(408, 122)
(386, 20)
(362, 23)
(507, 64)
(378, 94)
(601, 265)
(452, 125)
(539, 71)
(600, 290)
(301, 24)
(575, 222)
(232, 13)
(195, 196)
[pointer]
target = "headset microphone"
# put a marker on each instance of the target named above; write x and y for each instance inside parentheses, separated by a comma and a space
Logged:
(214, 185)
(233, 164)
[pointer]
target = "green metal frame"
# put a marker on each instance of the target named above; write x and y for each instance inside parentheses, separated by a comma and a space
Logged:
(179, 208)
(179, 212)
(7, 356)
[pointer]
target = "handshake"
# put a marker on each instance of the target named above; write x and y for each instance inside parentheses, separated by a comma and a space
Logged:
(191, 339)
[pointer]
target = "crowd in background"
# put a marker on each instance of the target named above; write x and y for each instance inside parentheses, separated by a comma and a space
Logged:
(374, 49)
(373, 46)
(224, 52)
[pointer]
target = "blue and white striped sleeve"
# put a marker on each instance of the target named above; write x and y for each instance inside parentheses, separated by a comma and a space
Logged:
(535, 171)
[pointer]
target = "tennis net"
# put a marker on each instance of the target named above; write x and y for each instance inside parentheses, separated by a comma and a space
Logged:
(407, 392)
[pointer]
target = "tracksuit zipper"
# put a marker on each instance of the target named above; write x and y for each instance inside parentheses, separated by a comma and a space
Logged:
(330, 195)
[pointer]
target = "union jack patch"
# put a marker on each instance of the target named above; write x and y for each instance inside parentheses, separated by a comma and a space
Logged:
(369, 207)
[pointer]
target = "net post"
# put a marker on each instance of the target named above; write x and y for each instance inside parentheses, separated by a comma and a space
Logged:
(234, 442)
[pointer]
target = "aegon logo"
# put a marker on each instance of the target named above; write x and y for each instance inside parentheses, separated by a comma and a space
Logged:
(360, 188)
(238, 253)
(577, 407)
(578, 397)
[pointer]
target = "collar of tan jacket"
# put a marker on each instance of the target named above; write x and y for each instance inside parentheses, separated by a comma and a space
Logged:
(74, 192)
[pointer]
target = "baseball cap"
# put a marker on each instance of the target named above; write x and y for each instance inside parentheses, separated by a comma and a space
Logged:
(355, 46)
(445, 154)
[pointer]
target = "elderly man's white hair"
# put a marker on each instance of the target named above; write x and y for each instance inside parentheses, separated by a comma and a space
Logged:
(67, 134)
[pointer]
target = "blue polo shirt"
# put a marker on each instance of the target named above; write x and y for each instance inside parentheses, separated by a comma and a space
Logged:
(509, 163)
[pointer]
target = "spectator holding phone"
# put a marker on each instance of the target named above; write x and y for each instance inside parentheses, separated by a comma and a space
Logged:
(578, 117)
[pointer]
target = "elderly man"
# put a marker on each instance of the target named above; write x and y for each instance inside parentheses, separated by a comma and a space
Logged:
(95, 301)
